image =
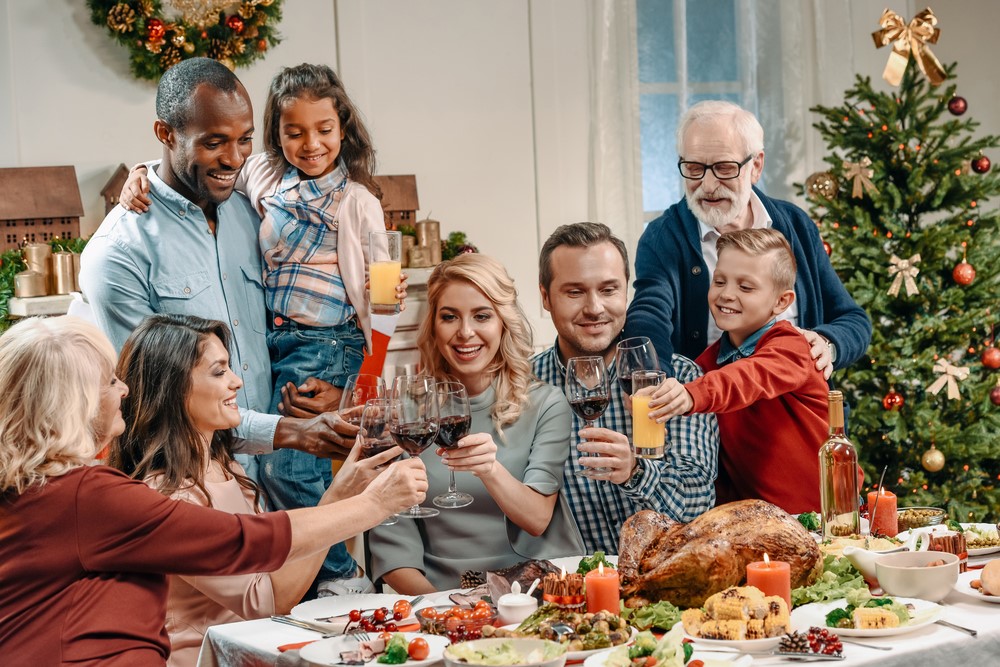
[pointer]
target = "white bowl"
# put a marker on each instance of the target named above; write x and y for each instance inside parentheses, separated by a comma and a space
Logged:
(522, 646)
(906, 574)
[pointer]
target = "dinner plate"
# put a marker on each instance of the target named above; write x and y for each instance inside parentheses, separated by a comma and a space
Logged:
(578, 656)
(334, 605)
(985, 527)
(814, 614)
(327, 651)
(710, 658)
(962, 586)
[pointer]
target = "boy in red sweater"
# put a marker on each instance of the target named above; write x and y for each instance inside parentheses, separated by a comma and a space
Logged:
(760, 379)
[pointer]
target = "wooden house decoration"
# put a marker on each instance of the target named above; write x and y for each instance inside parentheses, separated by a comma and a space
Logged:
(399, 199)
(113, 188)
(38, 204)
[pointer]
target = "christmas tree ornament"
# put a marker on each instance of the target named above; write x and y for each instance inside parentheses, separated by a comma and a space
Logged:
(981, 164)
(991, 357)
(957, 105)
(822, 185)
(893, 400)
(932, 460)
(861, 173)
(909, 39)
(828, 248)
(964, 273)
(995, 394)
(904, 272)
(950, 376)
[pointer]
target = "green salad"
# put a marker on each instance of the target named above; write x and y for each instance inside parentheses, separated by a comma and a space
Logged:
(503, 653)
(669, 651)
(838, 579)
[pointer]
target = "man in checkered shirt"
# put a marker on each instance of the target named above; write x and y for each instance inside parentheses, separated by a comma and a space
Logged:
(583, 277)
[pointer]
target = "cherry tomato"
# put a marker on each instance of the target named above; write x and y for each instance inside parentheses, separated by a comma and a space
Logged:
(453, 623)
(465, 614)
(354, 615)
(418, 649)
(430, 613)
(403, 608)
(650, 661)
(385, 636)
(482, 614)
(482, 604)
(696, 663)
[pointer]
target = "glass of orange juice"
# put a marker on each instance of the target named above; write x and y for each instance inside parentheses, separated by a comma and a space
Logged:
(648, 436)
(386, 252)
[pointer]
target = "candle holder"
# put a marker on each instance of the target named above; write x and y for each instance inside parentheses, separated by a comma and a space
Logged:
(564, 591)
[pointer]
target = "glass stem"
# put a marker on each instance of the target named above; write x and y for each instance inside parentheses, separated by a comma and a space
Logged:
(452, 489)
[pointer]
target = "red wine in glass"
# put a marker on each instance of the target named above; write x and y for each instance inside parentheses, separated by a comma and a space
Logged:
(414, 438)
(452, 429)
(590, 409)
(373, 435)
(634, 354)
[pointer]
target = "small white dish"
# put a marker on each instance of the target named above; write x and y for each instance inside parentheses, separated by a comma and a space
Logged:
(986, 528)
(327, 651)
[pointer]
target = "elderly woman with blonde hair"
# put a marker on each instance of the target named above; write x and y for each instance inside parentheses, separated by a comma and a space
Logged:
(512, 460)
(84, 550)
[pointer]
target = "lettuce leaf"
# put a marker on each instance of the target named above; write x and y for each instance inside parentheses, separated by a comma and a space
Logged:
(838, 577)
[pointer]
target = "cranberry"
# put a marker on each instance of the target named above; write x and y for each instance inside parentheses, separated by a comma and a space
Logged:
(355, 615)
(379, 614)
(390, 627)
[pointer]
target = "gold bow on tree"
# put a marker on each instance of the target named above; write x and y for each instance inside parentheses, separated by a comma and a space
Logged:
(904, 270)
(862, 174)
(950, 375)
(907, 39)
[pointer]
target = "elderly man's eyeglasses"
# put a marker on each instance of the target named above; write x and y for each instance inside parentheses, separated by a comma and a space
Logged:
(724, 171)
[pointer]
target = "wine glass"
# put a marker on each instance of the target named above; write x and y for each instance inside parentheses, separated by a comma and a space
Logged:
(413, 423)
(589, 392)
(634, 354)
(373, 434)
(454, 422)
(359, 389)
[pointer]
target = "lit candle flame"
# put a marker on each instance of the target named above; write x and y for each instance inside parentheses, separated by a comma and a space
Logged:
(767, 561)
(600, 569)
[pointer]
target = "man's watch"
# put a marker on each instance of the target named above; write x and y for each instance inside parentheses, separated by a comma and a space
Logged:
(633, 479)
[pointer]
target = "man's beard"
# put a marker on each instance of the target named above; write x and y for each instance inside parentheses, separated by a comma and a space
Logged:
(714, 217)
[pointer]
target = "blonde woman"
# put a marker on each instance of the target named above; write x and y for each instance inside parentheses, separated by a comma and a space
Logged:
(84, 550)
(512, 461)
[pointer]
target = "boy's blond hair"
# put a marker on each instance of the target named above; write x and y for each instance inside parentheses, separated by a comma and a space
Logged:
(760, 242)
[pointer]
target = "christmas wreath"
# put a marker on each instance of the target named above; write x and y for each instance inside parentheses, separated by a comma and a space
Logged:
(234, 33)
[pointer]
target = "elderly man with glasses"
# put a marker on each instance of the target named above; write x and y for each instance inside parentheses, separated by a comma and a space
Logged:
(721, 149)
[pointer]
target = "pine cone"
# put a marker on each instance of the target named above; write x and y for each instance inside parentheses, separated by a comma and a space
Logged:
(147, 7)
(795, 642)
(471, 579)
(170, 57)
(121, 17)
(247, 10)
(219, 49)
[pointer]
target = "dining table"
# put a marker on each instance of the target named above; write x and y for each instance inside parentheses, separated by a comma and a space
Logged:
(266, 643)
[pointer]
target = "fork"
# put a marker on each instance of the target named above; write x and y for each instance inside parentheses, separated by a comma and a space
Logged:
(305, 625)
(358, 634)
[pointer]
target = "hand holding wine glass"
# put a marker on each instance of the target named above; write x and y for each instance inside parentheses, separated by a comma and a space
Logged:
(413, 423)
(374, 437)
(455, 420)
(588, 391)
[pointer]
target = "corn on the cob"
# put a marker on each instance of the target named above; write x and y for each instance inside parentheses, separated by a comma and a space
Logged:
(874, 618)
(693, 619)
(732, 629)
(755, 629)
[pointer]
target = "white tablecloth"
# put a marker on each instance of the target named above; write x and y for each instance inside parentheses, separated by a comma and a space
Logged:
(255, 643)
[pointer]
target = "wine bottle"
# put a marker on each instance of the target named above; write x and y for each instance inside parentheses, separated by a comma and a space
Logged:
(838, 477)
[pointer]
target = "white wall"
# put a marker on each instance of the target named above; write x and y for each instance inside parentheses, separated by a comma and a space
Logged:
(486, 102)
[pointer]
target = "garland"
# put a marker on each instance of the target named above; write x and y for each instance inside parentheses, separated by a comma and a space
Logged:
(234, 33)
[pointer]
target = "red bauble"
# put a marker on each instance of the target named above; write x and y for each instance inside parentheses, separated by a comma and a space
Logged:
(262, 45)
(235, 23)
(828, 248)
(981, 164)
(964, 273)
(957, 105)
(995, 395)
(893, 400)
(155, 29)
(991, 357)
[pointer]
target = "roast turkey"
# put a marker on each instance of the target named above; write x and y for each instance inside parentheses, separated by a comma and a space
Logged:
(661, 559)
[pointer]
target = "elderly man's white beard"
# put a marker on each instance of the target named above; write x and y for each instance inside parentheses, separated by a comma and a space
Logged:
(714, 217)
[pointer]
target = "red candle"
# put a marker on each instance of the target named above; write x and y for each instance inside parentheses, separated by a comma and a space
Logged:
(884, 520)
(771, 577)
(602, 590)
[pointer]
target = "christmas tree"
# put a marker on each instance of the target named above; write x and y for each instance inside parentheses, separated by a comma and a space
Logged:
(903, 211)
